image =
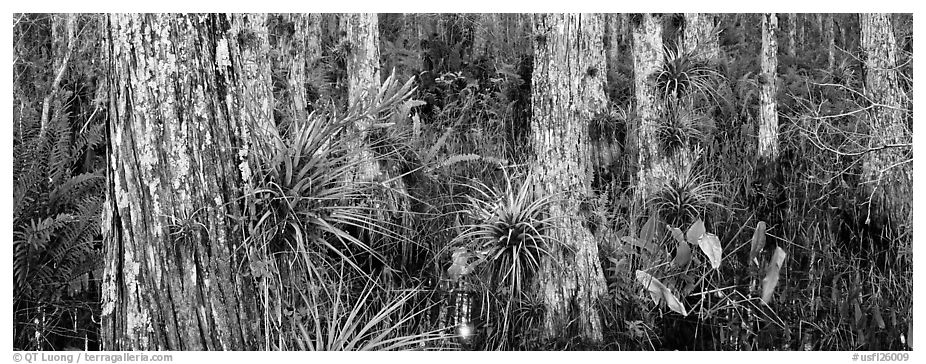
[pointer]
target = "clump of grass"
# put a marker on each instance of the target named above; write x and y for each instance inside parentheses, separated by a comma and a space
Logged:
(371, 319)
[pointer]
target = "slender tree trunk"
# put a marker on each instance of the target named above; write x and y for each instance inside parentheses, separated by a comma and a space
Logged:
(62, 35)
(185, 106)
(887, 172)
(305, 57)
(768, 108)
(767, 165)
(647, 56)
(363, 69)
(818, 19)
(363, 72)
(363, 61)
(699, 36)
(792, 35)
(801, 32)
(612, 46)
(568, 93)
(829, 41)
(482, 34)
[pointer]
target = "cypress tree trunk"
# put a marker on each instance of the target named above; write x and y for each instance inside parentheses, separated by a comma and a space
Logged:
(363, 60)
(767, 165)
(484, 27)
(792, 34)
(62, 33)
(188, 95)
(305, 42)
(889, 170)
(612, 34)
(363, 70)
(362, 31)
(801, 32)
(699, 35)
(647, 55)
(768, 109)
(567, 94)
(829, 41)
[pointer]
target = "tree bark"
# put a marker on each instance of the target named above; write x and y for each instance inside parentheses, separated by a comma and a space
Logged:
(801, 32)
(363, 61)
(186, 102)
(612, 46)
(305, 42)
(699, 38)
(362, 31)
(768, 108)
(888, 172)
(568, 93)
(647, 56)
(767, 165)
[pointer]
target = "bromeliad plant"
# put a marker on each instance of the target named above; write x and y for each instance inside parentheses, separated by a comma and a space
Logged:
(307, 190)
(508, 232)
(684, 74)
(686, 192)
(310, 208)
(507, 237)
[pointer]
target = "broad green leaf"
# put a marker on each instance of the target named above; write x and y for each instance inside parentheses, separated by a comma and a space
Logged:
(859, 315)
(659, 291)
(678, 235)
(758, 242)
(876, 316)
(648, 230)
(710, 245)
(695, 231)
(771, 275)
(639, 243)
(682, 254)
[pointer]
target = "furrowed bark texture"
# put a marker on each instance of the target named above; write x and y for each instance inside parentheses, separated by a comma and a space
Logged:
(187, 96)
(888, 172)
(647, 56)
(568, 92)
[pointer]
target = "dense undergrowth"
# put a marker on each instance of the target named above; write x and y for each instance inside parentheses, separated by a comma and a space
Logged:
(448, 261)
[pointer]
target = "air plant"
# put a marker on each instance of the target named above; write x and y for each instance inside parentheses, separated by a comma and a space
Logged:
(508, 230)
(683, 74)
(508, 236)
(306, 191)
(685, 192)
(679, 129)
